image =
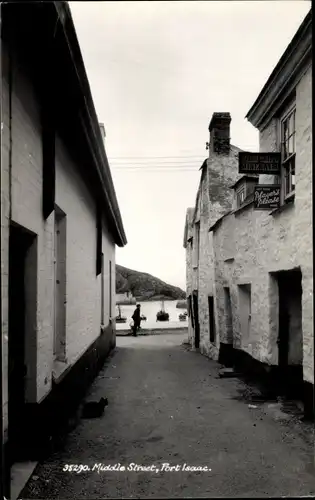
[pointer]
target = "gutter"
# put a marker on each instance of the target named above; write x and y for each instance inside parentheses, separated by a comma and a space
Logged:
(94, 137)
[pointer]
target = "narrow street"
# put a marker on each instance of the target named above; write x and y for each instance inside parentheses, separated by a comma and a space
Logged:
(167, 405)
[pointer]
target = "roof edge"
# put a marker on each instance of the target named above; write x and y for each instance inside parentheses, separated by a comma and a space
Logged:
(92, 129)
(243, 178)
(290, 62)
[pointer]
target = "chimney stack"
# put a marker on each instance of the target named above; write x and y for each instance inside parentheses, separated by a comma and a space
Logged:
(219, 129)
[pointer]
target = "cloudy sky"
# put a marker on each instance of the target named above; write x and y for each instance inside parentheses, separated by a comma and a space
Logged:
(157, 71)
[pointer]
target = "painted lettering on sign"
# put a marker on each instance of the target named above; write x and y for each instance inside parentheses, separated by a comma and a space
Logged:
(266, 197)
(259, 163)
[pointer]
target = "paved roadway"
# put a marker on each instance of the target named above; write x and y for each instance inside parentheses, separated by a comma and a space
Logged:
(167, 406)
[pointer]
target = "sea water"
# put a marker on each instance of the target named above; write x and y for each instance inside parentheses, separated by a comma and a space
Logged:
(150, 309)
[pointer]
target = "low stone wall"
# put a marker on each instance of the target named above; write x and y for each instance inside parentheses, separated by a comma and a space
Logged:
(126, 302)
(181, 304)
(153, 331)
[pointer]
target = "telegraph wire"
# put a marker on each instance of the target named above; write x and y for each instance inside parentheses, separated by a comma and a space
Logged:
(160, 163)
(153, 157)
(155, 171)
(161, 167)
(157, 167)
(180, 157)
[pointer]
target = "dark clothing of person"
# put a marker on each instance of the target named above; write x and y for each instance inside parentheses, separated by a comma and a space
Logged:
(136, 320)
(136, 317)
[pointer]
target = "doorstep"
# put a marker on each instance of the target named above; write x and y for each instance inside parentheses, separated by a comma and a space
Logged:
(20, 474)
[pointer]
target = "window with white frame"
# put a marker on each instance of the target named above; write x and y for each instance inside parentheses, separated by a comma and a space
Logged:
(288, 153)
(240, 196)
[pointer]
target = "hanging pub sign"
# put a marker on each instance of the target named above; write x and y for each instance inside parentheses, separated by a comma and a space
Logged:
(266, 197)
(259, 163)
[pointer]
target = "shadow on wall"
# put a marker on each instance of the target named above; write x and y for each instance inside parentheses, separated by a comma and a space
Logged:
(45, 425)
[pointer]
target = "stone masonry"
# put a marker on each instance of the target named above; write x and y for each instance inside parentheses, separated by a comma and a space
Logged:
(246, 246)
(266, 242)
(214, 198)
(188, 234)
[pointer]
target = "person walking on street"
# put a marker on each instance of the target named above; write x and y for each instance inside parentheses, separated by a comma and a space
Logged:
(136, 320)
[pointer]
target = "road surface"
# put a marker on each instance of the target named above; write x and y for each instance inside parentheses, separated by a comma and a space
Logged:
(168, 406)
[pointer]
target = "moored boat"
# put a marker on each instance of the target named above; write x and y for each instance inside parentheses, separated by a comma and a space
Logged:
(162, 315)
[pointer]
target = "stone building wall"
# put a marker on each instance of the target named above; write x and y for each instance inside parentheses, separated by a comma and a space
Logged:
(265, 243)
(189, 260)
(216, 199)
(21, 204)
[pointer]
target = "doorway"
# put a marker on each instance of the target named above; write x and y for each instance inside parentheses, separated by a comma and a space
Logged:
(245, 300)
(60, 260)
(102, 291)
(211, 319)
(290, 337)
(22, 333)
(196, 319)
(190, 311)
(110, 289)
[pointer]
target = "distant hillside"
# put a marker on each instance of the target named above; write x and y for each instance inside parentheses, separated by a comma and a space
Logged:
(144, 286)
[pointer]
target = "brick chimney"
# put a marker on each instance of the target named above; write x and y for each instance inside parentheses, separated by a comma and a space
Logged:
(219, 129)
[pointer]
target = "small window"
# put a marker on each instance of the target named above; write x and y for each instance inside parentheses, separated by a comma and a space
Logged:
(288, 154)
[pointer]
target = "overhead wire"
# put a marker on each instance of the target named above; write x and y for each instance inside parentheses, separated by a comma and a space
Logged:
(163, 168)
(152, 171)
(160, 165)
(166, 165)
(152, 157)
(159, 169)
(157, 164)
